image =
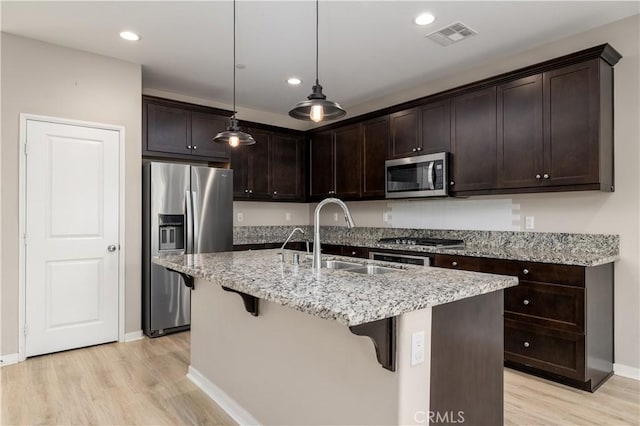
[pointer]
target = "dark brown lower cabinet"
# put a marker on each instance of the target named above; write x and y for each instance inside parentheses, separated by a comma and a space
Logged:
(558, 322)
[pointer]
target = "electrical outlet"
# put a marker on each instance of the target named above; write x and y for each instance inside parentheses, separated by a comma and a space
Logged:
(386, 216)
(417, 348)
(529, 222)
(335, 217)
(240, 217)
(287, 217)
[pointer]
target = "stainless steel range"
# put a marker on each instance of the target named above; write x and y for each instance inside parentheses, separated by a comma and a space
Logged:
(418, 241)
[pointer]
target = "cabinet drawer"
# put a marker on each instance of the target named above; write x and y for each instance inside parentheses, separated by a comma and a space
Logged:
(331, 249)
(361, 252)
(456, 262)
(533, 271)
(554, 351)
(550, 305)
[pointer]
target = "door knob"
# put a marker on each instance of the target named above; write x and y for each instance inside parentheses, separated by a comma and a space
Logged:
(112, 248)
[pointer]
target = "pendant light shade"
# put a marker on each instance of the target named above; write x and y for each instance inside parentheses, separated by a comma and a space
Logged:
(316, 107)
(233, 135)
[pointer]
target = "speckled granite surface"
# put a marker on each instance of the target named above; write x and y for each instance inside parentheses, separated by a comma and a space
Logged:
(346, 297)
(560, 248)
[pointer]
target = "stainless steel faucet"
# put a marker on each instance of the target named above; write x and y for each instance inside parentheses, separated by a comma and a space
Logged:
(316, 226)
(291, 235)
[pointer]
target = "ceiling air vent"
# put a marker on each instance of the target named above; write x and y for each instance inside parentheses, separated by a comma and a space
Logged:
(451, 34)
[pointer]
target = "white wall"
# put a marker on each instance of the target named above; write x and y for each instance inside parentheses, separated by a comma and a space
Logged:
(45, 79)
(580, 212)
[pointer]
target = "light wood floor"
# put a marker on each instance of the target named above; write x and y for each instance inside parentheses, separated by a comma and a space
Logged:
(144, 382)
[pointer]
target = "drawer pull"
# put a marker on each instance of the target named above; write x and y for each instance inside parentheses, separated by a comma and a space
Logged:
(525, 271)
(525, 302)
(526, 344)
(353, 253)
(454, 263)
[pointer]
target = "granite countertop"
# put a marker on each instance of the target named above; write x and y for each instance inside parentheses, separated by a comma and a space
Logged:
(347, 297)
(545, 247)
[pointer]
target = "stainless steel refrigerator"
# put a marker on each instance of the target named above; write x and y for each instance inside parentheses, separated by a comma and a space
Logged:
(186, 209)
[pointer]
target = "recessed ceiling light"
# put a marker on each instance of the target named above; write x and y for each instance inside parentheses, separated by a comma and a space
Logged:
(294, 81)
(424, 19)
(129, 35)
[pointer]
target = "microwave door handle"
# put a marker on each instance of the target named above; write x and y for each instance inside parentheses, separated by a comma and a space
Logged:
(430, 184)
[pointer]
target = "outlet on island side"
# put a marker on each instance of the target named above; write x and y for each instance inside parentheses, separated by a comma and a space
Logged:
(287, 217)
(417, 348)
(529, 222)
(335, 217)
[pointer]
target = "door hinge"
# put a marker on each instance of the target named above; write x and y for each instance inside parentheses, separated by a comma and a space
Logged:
(26, 329)
(25, 149)
(24, 237)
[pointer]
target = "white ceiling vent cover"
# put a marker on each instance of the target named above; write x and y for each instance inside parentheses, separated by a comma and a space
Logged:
(451, 34)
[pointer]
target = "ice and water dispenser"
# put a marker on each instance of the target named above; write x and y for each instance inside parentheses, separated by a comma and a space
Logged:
(171, 228)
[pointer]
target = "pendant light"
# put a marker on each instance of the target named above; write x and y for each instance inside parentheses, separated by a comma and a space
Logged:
(316, 107)
(233, 135)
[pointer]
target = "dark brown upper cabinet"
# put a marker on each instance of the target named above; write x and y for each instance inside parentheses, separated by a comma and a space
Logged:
(520, 148)
(435, 127)
(321, 161)
(578, 125)
(473, 141)
(205, 127)
(286, 165)
(177, 130)
(335, 163)
(404, 128)
(250, 166)
(375, 139)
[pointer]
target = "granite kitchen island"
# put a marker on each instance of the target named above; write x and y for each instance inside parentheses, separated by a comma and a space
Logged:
(277, 343)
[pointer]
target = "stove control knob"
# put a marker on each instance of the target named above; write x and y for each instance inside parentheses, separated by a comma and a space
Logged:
(398, 241)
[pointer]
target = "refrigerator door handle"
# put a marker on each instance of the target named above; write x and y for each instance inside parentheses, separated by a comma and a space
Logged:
(196, 222)
(189, 225)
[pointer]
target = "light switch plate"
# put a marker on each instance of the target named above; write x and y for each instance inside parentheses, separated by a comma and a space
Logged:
(529, 222)
(417, 348)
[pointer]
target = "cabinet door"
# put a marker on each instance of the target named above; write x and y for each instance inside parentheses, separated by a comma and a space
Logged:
(258, 165)
(322, 165)
(375, 139)
(204, 127)
(404, 133)
(520, 151)
(239, 164)
(473, 140)
(435, 120)
(168, 129)
(287, 168)
(347, 146)
(571, 124)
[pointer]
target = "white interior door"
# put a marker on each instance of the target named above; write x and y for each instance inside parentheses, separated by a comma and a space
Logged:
(72, 220)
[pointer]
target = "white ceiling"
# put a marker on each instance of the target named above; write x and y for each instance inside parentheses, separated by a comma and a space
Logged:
(368, 49)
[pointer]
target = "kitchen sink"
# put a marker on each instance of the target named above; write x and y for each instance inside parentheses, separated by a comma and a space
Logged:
(358, 268)
(374, 270)
(338, 264)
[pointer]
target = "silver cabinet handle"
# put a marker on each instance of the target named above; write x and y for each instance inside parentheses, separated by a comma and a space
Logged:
(112, 248)
(246, 191)
(188, 146)
(414, 150)
(538, 176)
(525, 302)
(525, 271)
(251, 191)
(419, 148)
(546, 176)
(526, 344)
(452, 183)
(353, 253)
(454, 263)
(195, 147)
(275, 192)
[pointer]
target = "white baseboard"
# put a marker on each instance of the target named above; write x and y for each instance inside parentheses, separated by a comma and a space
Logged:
(232, 408)
(626, 371)
(9, 359)
(133, 336)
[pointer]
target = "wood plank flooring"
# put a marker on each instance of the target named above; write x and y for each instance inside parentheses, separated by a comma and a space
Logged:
(144, 383)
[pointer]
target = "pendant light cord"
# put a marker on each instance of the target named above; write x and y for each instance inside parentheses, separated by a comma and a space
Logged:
(317, 20)
(234, 58)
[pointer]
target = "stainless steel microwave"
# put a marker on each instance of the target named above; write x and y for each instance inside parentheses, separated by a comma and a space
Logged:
(421, 176)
